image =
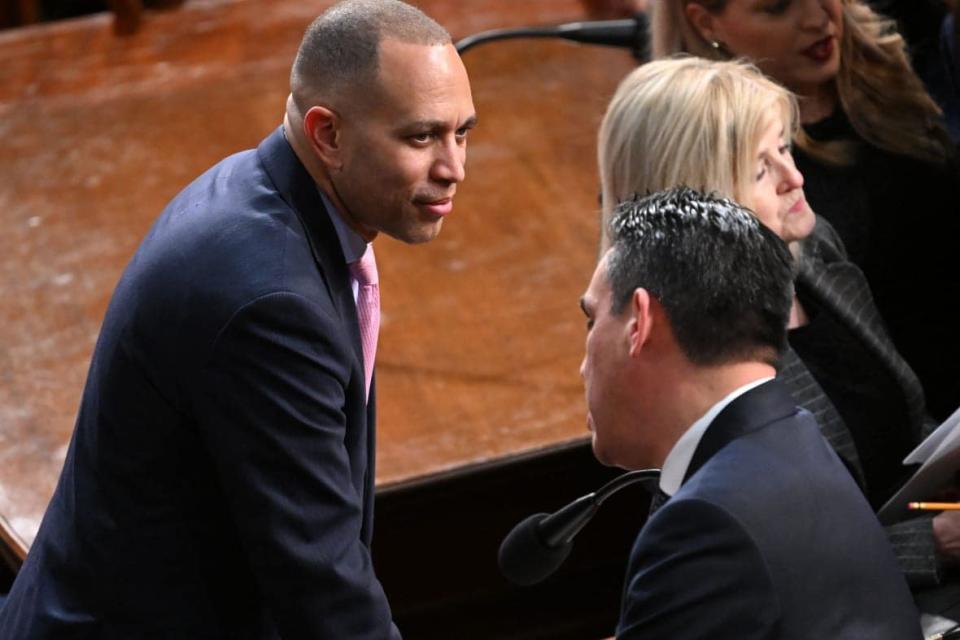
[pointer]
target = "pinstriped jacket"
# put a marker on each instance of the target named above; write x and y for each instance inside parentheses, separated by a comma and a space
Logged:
(840, 288)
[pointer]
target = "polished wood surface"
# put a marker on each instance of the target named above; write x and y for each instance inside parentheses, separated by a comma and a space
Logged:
(481, 335)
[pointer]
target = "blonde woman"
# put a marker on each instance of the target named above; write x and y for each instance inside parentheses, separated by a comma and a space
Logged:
(872, 147)
(724, 127)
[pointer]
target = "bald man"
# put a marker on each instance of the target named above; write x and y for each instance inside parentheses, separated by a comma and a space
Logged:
(219, 483)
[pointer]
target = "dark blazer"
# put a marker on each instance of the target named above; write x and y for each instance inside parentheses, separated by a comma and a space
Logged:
(840, 289)
(908, 259)
(768, 537)
(219, 482)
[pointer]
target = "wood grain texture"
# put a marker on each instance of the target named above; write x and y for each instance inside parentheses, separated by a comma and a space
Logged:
(481, 335)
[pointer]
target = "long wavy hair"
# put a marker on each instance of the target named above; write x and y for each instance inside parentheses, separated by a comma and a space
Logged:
(884, 100)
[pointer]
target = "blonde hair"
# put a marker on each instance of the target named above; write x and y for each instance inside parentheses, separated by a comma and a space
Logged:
(884, 100)
(688, 121)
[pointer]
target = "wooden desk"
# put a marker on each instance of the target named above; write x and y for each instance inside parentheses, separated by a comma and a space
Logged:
(481, 336)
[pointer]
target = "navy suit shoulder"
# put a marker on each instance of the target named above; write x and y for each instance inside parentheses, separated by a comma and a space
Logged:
(219, 483)
(227, 239)
(695, 572)
(768, 537)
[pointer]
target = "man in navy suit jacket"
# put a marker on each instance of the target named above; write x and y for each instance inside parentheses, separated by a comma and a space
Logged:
(766, 534)
(219, 483)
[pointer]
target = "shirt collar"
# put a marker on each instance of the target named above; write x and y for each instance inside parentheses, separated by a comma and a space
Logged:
(678, 460)
(351, 242)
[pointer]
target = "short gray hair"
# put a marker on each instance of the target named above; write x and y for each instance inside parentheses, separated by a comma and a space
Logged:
(341, 47)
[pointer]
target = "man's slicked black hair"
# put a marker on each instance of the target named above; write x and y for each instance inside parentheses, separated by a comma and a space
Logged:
(724, 280)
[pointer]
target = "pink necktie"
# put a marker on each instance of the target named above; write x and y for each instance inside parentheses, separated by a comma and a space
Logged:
(368, 308)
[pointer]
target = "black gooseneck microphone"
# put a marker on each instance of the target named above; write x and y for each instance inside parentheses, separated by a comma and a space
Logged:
(537, 546)
(629, 33)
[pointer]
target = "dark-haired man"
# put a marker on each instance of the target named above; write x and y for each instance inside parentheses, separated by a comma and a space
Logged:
(765, 535)
(219, 483)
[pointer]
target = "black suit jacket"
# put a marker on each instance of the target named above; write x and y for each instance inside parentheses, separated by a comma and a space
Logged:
(219, 482)
(768, 537)
(840, 289)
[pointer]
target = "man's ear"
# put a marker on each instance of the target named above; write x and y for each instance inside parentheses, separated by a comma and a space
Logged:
(702, 21)
(641, 320)
(321, 126)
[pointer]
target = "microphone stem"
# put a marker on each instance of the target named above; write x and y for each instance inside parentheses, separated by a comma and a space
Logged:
(643, 475)
(504, 34)
(616, 33)
(561, 527)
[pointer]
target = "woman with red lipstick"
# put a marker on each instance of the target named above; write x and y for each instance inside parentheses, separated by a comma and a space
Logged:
(833, 54)
(872, 147)
(724, 127)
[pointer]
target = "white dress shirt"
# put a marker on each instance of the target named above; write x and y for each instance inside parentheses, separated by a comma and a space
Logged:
(678, 460)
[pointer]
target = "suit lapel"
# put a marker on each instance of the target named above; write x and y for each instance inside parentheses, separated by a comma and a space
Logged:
(300, 191)
(842, 288)
(808, 393)
(753, 410)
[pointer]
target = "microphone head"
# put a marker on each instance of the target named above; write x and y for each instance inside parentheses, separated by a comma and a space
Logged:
(525, 558)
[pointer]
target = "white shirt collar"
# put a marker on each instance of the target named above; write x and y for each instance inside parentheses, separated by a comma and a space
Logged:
(678, 460)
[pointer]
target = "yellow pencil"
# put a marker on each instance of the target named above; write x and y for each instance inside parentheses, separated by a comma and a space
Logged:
(934, 506)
